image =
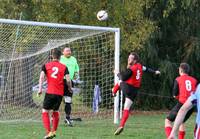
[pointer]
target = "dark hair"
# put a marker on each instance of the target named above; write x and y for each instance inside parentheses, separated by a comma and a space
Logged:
(185, 67)
(136, 56)
(56, 53)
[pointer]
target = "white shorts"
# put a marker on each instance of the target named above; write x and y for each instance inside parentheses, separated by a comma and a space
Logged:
(68, 99)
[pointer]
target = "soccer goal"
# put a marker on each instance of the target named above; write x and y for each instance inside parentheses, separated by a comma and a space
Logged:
(25, 46)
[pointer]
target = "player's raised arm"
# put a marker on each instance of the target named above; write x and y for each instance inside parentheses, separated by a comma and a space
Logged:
(147, 69)
(125, 75)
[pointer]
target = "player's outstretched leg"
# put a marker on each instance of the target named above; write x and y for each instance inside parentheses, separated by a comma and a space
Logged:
(127, 105)
(122, 123)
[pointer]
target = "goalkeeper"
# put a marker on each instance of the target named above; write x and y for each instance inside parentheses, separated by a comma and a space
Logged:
(130, 81)
(71, 62)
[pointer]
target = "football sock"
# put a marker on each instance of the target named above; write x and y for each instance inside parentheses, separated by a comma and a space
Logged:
(46, 121)
(181, 134)
(124, 118)
(115, 88)
(168, 131)
(67, 110)
(55, 121)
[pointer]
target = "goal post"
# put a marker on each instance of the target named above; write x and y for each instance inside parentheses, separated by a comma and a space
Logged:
(27, 45)
(116, 99)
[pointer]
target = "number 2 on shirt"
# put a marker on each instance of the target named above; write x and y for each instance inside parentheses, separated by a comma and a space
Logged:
(55, 72)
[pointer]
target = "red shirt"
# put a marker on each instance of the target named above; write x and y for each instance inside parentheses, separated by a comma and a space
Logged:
(136, 77)
(55, 72)
(186, 86)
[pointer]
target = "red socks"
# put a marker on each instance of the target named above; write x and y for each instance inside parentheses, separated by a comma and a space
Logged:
(124, 118)
(115, 88)
(181, 134)
(46, 121)
(55, 120)
(168, 131)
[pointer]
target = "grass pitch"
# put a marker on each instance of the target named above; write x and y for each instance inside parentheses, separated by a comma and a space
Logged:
(139, 126)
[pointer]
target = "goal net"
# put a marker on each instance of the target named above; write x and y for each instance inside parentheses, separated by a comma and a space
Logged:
(25, 46)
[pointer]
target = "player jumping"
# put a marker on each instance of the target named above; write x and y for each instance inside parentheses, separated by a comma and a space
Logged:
(130, 81)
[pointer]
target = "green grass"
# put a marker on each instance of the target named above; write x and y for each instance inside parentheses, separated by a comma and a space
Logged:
(139, 126)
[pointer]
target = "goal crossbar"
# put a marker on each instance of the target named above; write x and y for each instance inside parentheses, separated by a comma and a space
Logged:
(33, 23)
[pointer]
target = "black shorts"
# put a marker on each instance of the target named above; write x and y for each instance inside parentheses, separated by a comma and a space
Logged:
(66, 91)
(52, 102)
(173, 113)
(129, 91)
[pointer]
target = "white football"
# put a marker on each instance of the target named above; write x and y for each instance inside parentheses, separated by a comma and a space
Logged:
(102, 15)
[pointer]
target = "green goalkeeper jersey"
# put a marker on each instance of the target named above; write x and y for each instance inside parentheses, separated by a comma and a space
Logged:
(71, 64)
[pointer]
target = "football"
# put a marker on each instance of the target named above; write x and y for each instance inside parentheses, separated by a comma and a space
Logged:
(102, 15)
